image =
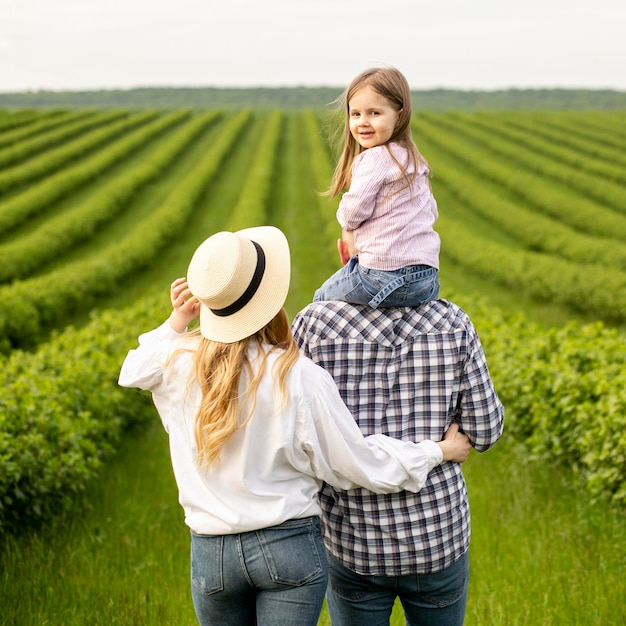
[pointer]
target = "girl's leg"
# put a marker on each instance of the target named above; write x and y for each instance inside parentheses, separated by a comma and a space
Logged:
(340, 283)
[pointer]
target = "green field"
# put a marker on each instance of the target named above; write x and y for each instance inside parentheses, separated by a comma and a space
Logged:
(101, 210)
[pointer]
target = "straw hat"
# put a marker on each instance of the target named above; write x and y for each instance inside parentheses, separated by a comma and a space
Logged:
(241, 280)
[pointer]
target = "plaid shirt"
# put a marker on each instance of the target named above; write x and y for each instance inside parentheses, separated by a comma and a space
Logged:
(408, 373)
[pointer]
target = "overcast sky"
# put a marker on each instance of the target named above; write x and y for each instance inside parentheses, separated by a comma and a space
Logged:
(481, 44)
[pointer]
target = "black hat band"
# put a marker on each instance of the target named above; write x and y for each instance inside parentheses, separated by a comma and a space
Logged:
(252, 288)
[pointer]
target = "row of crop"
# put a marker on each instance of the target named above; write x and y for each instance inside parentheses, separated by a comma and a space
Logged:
(598, 120)
(14, 119)
(320, 158)
(251, 207)
(532, 230)
(588, 156)
(20, 257)
(576, 125)
(584, 147)
(591, 289)
(57, 158)
(320, 230)
(557, 147)
(28, 307)
(613, 127)
(536, 191)
(23, 124)
(512, 149)
(38, 197)
(12, 155)
(603, 123)
(564, 391)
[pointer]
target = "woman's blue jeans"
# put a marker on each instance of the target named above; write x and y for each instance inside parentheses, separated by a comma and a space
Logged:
(273, 577)
(436, 599)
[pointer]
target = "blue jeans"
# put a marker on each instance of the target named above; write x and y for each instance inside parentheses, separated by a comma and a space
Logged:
(436, 599)
(276, 576)
(409, 286)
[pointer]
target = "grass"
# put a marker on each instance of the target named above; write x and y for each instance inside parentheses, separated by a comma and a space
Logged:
(541, 553)
(120, 558)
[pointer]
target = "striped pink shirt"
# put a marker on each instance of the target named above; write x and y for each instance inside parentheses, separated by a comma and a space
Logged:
(391, 230)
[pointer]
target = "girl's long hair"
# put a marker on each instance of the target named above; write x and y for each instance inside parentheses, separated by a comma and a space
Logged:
(391, 84)
(218, 367)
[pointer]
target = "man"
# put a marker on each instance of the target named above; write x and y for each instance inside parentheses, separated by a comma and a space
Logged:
(408, 373)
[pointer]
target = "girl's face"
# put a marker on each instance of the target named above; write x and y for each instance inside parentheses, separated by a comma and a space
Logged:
(372, 117)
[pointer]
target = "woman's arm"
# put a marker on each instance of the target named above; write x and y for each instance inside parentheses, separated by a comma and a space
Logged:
(340, 455)
(143, 366)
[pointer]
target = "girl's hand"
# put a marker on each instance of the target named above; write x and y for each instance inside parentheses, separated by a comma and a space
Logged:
(348, 237)
(186, 307)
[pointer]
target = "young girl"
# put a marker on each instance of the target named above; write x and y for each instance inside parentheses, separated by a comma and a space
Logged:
(254, 429)
(389, 209)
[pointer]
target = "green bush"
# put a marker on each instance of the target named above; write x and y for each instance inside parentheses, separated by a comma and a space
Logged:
(564, 391)
(62, 412)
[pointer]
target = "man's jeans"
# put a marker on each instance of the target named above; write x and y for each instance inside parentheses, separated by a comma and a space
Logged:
(436, 599)
(274, 577)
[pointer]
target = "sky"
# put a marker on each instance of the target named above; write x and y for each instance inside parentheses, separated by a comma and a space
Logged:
(454, 44)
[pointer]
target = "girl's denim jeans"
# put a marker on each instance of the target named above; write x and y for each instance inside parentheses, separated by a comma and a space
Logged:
(409, 286)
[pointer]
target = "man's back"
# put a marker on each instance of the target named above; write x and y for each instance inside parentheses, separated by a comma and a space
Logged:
(408, 373)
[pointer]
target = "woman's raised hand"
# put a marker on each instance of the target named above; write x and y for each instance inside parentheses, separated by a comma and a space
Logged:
(186, 307)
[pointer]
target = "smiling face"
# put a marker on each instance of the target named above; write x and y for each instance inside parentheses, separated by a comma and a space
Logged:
(373, 118)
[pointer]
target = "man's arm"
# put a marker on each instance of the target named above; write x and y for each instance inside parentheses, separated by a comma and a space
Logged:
(480, 412)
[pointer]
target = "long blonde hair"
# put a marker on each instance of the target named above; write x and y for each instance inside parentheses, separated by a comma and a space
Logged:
(391, 84)
(217, 367)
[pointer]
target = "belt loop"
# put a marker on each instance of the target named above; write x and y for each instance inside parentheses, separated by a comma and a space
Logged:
(388, 289)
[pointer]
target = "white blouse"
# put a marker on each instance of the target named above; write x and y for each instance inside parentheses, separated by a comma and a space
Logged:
(271, 469)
